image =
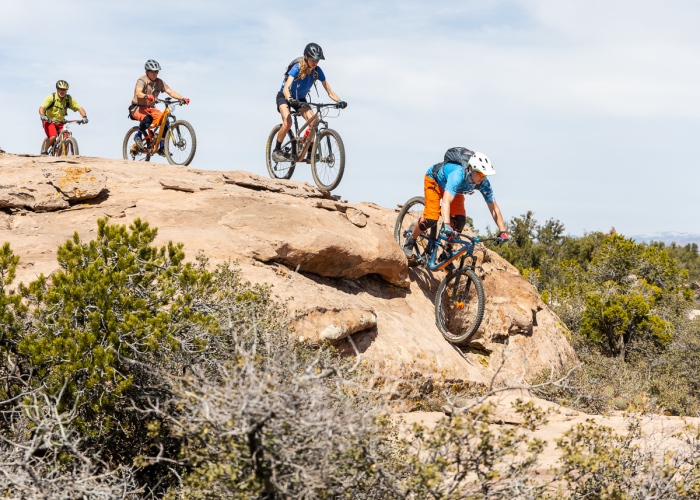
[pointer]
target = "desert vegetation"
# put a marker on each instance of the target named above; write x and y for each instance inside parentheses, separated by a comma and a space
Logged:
(131, 373)
(626, 306)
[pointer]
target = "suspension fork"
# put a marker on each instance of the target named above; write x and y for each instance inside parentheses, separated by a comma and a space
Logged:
(472, 266)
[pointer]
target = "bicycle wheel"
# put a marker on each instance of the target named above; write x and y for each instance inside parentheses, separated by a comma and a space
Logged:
(459, 305)
(180, 143)
(68, 147)
(410, 213)
(130, 150)
(281, 170)
(328, 159)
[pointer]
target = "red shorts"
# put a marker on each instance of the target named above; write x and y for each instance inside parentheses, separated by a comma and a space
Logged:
(142, 112)
(433, 198)
(51, 129)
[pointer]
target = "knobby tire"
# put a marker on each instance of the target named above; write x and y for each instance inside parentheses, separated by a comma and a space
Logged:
(459, 305)
(328, 159)
(282, 170)
(129, 144)
(179, 149)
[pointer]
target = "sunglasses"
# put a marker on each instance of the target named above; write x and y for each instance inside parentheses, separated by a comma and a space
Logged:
(313, 59)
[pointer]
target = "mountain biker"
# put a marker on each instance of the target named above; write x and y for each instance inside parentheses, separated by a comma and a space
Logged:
(445, 184)
(143, 104)
(296, 85)
(54, 109)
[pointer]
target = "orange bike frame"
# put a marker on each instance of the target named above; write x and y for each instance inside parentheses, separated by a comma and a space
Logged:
(159, 123)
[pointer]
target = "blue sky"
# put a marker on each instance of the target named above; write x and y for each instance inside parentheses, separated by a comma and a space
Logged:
(588, 110)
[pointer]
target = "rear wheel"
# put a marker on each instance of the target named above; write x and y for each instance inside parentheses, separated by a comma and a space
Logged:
(409, 215)
(459, 305)
(130, 151)
(328, 159)
(180, 143)
(279, 170)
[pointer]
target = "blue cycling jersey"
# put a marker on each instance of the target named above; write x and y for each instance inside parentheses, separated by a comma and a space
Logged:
(453, 179)
(300, 88)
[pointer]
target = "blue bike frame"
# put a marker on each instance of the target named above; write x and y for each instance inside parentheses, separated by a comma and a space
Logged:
(466, 250)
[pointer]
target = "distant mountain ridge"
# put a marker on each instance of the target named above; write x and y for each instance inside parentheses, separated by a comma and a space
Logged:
(668, 237)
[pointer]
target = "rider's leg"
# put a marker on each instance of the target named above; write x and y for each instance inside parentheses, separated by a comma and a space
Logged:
(286, 124)
(51, 130)
(431, 213)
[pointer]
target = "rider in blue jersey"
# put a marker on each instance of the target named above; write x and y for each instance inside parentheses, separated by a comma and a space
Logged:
(296, 86)
(444, 186)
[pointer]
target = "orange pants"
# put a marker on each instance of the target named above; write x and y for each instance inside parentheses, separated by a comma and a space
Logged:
(433, 197)
(142, 111)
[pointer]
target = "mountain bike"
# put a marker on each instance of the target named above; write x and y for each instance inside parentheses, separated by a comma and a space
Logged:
(327, 154)
(460, 300)
(176, 140)
(65, 144)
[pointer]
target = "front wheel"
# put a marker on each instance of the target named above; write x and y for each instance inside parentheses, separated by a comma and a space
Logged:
(130, 150)
(459, 305)
(284, 169)
(69, 147)
(328, 159)
(180, 143)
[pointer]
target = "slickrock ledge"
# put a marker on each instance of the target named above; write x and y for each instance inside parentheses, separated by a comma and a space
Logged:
(346, 279)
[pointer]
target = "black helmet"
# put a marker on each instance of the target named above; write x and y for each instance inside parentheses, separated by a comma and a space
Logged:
(314, 50)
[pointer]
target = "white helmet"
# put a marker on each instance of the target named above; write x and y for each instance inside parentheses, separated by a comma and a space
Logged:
(479, 162)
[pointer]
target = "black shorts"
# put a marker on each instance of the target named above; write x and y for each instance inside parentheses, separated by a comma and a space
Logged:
(283, 100)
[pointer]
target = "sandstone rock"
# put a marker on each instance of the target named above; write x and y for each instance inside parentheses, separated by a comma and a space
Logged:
(177, 185)
(304, 244)
(76, 183)
(332, 325)
(316, 241)
(37, 196)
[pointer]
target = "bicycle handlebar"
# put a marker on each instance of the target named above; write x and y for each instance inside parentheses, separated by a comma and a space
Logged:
(473, 239)
(168, 101)
(63, 122)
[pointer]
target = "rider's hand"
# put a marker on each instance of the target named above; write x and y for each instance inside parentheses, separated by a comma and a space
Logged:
(447, 230)
(186, 100)
(342, 104)
(502, 238)
(294, 103)
(44, 118)
(149, 97)
(84, 120)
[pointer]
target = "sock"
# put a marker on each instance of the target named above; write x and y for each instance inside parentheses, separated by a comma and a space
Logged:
(278, 145)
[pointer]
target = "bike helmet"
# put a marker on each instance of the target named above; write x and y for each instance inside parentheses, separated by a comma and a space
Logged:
(62, 84)
(479, 162)
(314, 50)
(152, 65)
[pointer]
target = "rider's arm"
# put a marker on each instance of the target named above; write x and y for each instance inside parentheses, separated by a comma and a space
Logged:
(287, 85)
(445, 206)
(82, 112)
(42, 111)
(497, 216)
(173, 94)
(139, 89)
(331, 94)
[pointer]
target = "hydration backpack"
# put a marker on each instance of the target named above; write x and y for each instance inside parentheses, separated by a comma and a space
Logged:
(291, 65)
(69, 102)
(459, 156)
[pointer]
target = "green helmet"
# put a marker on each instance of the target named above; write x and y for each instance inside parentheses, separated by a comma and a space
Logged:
(62, 84)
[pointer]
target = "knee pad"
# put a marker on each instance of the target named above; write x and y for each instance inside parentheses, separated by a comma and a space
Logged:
(145, 123)
(426, 224)
(458, 222)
